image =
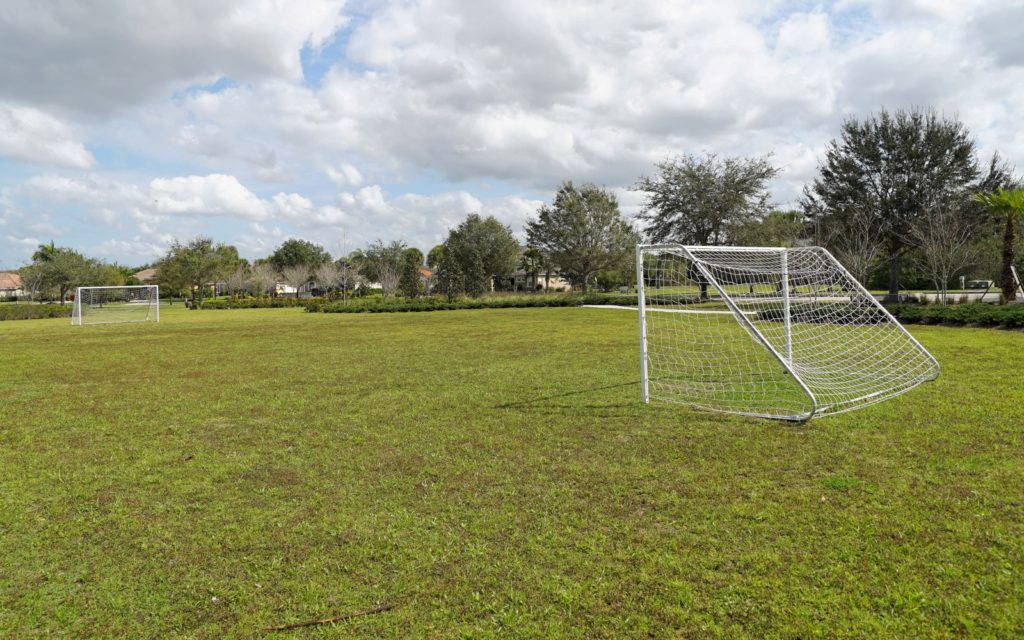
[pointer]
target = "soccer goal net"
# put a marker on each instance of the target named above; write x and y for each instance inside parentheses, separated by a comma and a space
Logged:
(101, 305)
(777, 333)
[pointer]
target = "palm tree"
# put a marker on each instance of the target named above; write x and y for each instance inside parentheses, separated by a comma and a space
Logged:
(45, 253)
(1009, 203)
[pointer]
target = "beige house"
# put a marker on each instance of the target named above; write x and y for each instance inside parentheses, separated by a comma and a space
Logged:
(520, 280)
(11, 285)
(146, 276)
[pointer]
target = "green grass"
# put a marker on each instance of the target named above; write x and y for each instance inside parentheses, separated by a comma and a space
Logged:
(491, 474)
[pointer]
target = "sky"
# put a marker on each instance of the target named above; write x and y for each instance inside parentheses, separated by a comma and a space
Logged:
(125, 124)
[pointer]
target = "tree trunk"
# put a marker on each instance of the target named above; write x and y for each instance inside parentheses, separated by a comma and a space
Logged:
(894, 273)
(1008, 283)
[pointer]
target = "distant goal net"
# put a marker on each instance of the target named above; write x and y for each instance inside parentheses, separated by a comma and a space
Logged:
(768, 332)
(103, 305)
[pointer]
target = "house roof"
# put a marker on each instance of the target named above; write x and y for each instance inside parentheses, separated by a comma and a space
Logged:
(146, 275)
(9, 280)
(425, 272)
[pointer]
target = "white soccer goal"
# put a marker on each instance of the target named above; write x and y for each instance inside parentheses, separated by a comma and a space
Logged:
(102, 305)
(768, 332)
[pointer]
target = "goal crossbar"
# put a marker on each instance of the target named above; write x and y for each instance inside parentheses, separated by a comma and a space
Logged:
(794, 334)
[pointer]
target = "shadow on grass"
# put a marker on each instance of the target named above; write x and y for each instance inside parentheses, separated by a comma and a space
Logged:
(543, 404)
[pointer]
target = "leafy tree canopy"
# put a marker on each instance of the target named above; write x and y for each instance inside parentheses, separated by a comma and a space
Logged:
(583, 232)
(62, 269)
(435, 256)
(294, 252)
(193, 265)
(699, 200)
(493, 241)
(895, 168)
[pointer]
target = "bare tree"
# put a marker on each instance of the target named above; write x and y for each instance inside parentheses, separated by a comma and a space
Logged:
(858, 239)
(263, 276)
(296, 275)
(238, 281)
(944, 234)
(348, 279)
(327, 275)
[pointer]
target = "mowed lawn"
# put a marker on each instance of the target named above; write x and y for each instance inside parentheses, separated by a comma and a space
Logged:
(489, 474)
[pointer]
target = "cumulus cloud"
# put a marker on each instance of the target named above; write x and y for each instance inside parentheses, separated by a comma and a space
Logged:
(173, 207)
(212, 195)
(101, 56)
(420, 107)
(344, 174)
(26, 133)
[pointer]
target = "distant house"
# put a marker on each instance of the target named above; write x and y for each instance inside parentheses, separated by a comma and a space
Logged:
(10, 285)
(282, 289)
(520, 280)
(146, 276)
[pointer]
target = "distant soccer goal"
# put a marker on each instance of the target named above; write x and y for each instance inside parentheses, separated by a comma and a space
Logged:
(768, 332)
(102, 305)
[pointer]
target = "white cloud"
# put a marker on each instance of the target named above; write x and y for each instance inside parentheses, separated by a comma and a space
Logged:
(212, 195)
(25, 242)
(101, 56)
(344, 174)
(429, 100)
(26, 133)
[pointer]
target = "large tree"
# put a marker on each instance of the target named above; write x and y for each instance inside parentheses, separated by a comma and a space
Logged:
(895, 168)
(295, 252)
(62, 269)
(582, 232)
(196, 264)
(700, 200)
(479, 249)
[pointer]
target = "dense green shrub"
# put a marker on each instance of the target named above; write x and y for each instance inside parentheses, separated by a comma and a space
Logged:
(34, 311)
(985, 315)
(257, 303)
(398, 305)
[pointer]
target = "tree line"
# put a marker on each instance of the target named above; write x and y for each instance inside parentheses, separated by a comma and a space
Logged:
(899, 198)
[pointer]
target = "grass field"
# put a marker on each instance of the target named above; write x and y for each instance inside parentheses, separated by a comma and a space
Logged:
(489, 474)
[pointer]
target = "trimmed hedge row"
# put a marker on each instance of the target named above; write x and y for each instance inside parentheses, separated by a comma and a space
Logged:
(402, 305)
(398, 305)
(985, 315)
(34, 311)
(257, 303)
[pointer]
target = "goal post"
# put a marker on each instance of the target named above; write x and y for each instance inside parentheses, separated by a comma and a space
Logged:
(105, 305)
(767, 332)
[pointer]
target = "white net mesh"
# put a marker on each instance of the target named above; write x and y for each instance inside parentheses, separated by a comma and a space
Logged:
(726, 331)
(101, 305)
